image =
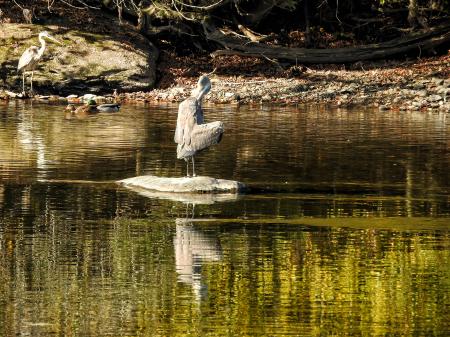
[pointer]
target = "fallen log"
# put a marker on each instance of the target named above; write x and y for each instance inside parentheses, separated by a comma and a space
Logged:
(417, 42)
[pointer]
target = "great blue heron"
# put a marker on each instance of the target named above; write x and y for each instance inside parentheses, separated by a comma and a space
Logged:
(192, 134)
(31, 57)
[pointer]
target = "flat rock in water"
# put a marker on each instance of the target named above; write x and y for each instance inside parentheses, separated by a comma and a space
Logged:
(184, 184)
(186, 198)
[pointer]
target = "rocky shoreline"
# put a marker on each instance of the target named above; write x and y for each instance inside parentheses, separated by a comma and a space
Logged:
(423, 85)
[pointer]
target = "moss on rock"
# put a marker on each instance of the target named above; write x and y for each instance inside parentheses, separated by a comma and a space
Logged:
(85, 62)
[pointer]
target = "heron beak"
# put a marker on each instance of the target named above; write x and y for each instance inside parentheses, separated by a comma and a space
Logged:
(54, 40)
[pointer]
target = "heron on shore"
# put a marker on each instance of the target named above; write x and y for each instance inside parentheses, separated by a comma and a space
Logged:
(192, 134)
(31, 56)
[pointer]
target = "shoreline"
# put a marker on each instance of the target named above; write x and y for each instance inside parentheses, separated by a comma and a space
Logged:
(414, 85)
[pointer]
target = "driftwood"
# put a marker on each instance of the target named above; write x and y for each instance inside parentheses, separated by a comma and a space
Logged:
(414, 42)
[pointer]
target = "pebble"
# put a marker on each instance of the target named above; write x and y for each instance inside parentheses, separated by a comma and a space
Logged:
(11, 94)
(87, 97)
(434, 98)
(418, 86)
(422, 93)
(438, 81)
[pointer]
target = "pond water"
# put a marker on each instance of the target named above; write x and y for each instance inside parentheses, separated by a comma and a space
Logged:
(346, 231)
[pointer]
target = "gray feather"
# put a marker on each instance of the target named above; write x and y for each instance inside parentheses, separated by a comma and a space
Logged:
(192, 134)
(29, 59)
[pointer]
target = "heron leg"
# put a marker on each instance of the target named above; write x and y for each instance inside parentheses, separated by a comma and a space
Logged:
(193, 167)
(31, 90)
(187, 167)
(23, 82)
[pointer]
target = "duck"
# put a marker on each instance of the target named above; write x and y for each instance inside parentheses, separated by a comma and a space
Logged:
(81, 112)
(89, 108)
(108, 107)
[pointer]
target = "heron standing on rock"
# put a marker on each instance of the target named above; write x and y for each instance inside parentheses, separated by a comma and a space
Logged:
(32, 56)
(192, 134)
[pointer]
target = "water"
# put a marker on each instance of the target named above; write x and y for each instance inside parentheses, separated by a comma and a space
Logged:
(346, 231)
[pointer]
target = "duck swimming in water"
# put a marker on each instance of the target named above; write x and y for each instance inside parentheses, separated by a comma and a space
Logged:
(108, 107)
(89, 108)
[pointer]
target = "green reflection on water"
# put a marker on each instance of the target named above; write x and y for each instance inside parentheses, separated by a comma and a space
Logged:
(353, 238)
(150, 277)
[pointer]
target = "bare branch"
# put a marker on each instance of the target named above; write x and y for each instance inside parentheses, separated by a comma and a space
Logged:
(205, 8)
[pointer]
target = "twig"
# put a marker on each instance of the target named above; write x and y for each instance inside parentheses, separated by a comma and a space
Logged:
(212, 72)
(323, 2)
(18, 5)
(201, 7)
(85, 5)
(180, 12)
(250, 82)
(337, 9)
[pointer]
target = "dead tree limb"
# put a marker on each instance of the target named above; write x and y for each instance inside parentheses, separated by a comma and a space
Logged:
(414, 42)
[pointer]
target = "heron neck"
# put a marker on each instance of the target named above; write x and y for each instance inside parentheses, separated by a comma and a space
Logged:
(43, 44)
(202, 93)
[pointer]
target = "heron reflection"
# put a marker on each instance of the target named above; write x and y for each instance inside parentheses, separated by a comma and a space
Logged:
(194, 248)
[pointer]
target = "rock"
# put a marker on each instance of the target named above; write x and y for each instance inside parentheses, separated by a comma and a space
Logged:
(12, 94)
(228, 94)
(434, 105)
(87, 97)
(383, 107)
(434, 98)
(184, 185)
(100, 99)
(422, 93)
(438, 81)
(418, 86)
(187, 198)
(85, 62)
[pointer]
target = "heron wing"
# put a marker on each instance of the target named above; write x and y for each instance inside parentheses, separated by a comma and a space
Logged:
(205, 135)
(185, 121)
(28, 59)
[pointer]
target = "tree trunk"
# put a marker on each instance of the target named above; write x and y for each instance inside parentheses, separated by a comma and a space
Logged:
(307, 24)
(412, 13)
